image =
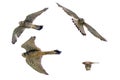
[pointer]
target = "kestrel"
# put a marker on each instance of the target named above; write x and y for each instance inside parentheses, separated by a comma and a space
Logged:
(27, 23)
(88, 64)
(34, 55)
(79, 23)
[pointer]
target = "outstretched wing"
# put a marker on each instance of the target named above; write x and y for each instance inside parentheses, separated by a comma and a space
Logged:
(79, 26)
(94, 32)
(35, 63)
(16, 33)
(69, 12)
(32, 16)
(30, 44)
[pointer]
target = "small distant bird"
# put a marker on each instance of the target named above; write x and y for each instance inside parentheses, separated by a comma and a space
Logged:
(34, 55)
(27, 23)
(88, 64)
(79, 23)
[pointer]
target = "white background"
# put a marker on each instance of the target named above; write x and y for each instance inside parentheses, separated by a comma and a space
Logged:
(60, 33)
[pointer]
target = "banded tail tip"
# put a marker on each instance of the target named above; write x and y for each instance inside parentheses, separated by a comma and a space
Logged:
(45, 8)
(57, 51)
(39, 27)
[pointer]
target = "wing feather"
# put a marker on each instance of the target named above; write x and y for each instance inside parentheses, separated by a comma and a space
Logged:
(30, 44)
(16, 33)
(32, 16)
(35, 63)
(79, 26)
(94, 32)
(69, 12)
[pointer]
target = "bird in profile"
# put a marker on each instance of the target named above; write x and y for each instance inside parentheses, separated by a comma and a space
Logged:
(88, 64)
(27, 23)
(34, 55)
(79, 23)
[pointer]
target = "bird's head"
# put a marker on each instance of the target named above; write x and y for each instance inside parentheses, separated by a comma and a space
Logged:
(21, 22)
(81, 20)
(33, 37)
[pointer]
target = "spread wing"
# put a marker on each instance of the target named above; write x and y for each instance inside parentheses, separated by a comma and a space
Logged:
(79, 26)
(69, 12)
(16, 33)
(32, 16)
(35, 63)
(30, 44)
(94, 32)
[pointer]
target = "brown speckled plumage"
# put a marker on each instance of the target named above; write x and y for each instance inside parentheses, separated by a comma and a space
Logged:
(34, 55)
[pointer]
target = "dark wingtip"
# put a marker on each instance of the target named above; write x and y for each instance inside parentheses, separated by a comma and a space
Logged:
(13, 41)
(46, 74)
(57, 51)
(104, 40)
(58, 4)
(83, 62)
(45, 8)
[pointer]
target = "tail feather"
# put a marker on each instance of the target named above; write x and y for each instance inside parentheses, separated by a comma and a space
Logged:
(37, 27)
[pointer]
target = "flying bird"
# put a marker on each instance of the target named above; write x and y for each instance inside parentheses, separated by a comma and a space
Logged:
(79, 23)
(88, 64)
(27, 23)
(34, 55)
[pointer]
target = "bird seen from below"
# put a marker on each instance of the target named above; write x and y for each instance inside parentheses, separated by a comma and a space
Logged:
(34, 55)
(27, 23)
(80, 23)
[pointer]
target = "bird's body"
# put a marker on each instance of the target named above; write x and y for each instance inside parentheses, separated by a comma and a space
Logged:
(34, 55)
(27, 23)
(88, 64)
(80, 23)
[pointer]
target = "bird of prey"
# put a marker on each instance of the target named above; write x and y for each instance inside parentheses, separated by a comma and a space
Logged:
(79, 23)
(88, 64)
(34, 55)
(27, 23)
